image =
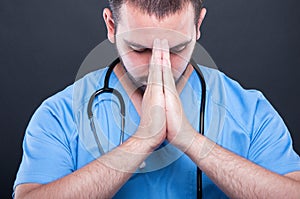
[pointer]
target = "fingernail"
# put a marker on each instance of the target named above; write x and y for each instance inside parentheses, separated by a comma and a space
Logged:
(156, 41)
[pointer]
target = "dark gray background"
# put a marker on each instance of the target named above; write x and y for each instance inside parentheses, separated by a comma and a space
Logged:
(42, 44)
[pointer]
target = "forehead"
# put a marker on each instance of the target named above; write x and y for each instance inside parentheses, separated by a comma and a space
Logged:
(136, 24)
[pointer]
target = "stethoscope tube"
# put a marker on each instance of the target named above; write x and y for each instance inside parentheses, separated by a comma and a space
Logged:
(107, 89)
(201, 122)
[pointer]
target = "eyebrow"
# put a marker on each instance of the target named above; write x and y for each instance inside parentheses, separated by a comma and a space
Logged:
(132, 43)
(185, 43)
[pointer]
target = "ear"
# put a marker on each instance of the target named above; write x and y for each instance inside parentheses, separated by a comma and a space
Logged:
(200, 20)
(110, 24)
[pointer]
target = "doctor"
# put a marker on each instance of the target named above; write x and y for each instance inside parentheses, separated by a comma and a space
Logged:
(253, 158)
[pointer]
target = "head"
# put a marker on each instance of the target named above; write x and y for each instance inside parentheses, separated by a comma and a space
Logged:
(134, 24)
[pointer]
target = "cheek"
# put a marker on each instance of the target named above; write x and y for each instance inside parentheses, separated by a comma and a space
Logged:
(179, 63)
(136, 64)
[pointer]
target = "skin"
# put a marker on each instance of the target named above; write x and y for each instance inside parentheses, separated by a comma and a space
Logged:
(160, 110)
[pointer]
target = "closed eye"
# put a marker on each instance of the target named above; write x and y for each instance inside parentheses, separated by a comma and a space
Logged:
(137, 49)
(172, 50)
(177, 49)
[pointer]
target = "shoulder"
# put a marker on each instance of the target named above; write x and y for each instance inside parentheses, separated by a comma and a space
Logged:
(59, 109)
(63, 100)
(246, 107)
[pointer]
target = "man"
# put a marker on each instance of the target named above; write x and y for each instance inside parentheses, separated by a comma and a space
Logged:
(155, 40)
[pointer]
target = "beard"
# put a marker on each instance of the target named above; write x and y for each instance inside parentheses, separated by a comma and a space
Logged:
(141, 84)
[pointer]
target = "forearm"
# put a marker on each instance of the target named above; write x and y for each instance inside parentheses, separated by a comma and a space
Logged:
(238, 177)
(101, 178)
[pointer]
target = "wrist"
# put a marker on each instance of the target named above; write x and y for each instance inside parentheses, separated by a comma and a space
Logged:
(140, 145)
(147, 144)
(184, 139)
(128, 156)
(200, 148)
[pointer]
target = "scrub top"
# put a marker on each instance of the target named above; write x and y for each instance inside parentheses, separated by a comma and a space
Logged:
(59, 140)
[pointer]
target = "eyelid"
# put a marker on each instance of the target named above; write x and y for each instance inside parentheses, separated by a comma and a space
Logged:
(174, 49)
(134, 48)
(178, 49)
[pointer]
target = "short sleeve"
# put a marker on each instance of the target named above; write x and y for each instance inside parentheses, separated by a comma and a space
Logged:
(46, 151)
(271, 144)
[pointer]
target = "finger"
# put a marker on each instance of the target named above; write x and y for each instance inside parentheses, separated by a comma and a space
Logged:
(155, 66)
(168, 79)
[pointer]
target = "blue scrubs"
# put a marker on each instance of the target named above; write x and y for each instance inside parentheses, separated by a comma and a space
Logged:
(59, 139)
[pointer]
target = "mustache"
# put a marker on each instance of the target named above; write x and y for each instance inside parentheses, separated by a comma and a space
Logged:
(141, 82)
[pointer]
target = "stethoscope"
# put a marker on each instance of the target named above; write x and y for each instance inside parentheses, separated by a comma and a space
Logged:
(107, 89)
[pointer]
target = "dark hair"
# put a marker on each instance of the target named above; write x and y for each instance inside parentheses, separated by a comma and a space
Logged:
(160, 8)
